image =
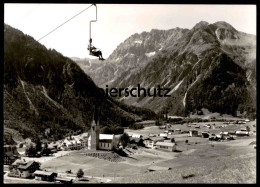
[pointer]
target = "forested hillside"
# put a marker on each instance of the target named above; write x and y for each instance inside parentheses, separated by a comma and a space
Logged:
(43, 89)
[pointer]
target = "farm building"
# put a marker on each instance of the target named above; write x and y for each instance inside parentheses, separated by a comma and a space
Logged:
(158, 168)
(166, 146)
(163, 134)
(9, 158)
(218, 136)
(151, 141)
(242, 133)
(224, 135)
(10, 154)
(45, 175)
(148, 142)
(243, 129)
(193, 133)
(232, 132)
(106, 141)
(185, 132)
(24, 169)
(64, 180)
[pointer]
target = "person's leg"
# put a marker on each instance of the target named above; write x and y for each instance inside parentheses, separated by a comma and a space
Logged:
(96, 53)
(101, 57)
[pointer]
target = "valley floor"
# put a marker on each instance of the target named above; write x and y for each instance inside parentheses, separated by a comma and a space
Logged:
(200, 160)
(218, 162)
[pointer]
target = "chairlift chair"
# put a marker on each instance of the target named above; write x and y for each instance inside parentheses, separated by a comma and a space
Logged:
(96, 53)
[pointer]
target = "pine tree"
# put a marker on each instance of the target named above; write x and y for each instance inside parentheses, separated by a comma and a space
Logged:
(80, 173)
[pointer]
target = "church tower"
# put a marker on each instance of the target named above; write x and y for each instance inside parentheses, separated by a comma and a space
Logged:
(94, 132)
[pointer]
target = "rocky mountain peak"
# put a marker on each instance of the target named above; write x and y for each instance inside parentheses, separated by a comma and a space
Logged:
(200, 25)
(225, 31)
(224, 25)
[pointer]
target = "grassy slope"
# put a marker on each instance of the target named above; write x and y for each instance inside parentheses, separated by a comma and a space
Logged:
(226, 162)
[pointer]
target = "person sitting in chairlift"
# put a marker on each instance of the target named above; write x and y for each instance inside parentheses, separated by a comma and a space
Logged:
(95, 52)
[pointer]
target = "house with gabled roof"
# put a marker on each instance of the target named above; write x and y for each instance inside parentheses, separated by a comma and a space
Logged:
(151, 141)
(45, 175)
(167, 146)
(24, 169)
(106, 141)
(10, 154)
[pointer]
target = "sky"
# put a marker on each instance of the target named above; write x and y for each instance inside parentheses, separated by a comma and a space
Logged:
(116, 22)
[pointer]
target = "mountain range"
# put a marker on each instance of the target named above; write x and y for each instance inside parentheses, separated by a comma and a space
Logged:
(210, 66)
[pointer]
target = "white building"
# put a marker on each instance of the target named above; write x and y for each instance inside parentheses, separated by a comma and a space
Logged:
(163, 134)
(166, 146)
(151, 141)
(136, 136)
(106, 141)
(75, 143)
(242, 133)
(193, 133)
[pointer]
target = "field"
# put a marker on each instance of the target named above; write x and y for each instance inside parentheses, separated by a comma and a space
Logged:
(209, 162)
(199, 161)
(226, 162)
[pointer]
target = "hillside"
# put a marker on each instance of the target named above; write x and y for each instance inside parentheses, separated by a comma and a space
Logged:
(43, 89)
(211, 66)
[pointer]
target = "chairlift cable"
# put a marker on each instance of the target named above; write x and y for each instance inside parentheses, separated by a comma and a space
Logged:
(28, 13)
(64, 23)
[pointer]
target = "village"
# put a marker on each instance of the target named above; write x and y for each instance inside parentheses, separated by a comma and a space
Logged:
(143, 150)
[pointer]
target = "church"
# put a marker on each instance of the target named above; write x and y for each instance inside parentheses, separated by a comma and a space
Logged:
(97, 141)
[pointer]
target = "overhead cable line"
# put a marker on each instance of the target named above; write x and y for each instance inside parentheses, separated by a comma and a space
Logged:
(28, 13)
(64, 23)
